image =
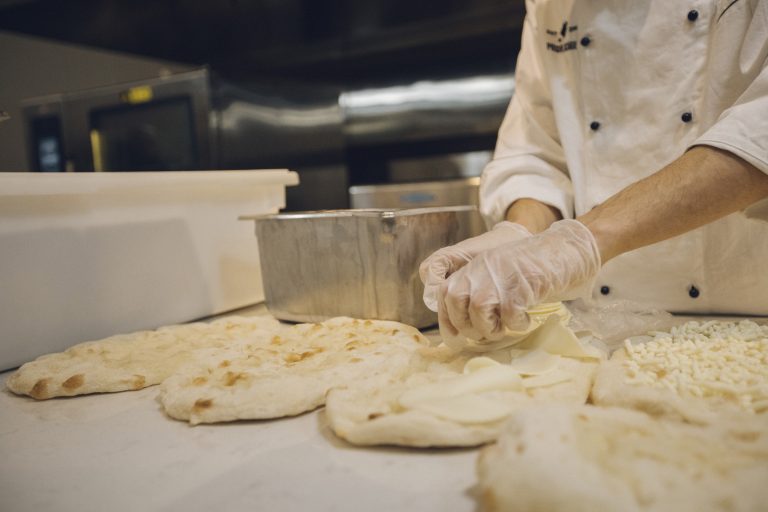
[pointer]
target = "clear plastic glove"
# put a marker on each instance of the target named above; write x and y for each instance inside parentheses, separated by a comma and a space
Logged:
(442, 263)
(494, 290)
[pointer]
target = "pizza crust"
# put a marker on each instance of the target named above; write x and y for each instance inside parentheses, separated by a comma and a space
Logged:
(292, 374)
(371, 412)
(128, 362)
(566, 458)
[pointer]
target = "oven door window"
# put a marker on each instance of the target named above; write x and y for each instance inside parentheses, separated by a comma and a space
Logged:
(156, 136)
(48, 149)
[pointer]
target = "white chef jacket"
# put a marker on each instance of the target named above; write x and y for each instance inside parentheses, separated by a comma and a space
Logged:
(609, 92)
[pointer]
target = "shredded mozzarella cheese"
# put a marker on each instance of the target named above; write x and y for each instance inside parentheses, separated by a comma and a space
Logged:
(705, 359)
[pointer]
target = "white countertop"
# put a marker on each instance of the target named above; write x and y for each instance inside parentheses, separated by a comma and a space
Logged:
(119, 452)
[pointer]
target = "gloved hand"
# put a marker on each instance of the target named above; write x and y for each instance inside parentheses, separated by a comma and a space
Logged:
(494, 290)
(442, 263)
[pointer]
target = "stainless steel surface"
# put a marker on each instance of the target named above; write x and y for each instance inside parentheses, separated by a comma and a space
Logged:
(426, 109)
(358, 263)
(421, 195)
(74, 110)
(438, 167)
(287, 125)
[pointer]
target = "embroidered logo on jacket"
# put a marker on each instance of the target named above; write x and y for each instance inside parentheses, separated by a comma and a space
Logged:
(561, 45)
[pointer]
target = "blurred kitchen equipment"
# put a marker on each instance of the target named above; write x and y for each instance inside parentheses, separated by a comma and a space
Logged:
(4, 115)
(194, 121)
(422, 130)
(153, 125)
(358, 263)
(421, 195)
(427, 130)
(88, 255)
(426, 109)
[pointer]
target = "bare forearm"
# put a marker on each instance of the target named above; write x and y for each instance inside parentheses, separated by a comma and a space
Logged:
(533, 215)
(698, 188)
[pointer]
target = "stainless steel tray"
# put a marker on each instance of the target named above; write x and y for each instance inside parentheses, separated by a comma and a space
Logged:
(358, 263)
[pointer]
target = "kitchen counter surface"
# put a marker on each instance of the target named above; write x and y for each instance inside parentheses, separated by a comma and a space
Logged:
(119, 452)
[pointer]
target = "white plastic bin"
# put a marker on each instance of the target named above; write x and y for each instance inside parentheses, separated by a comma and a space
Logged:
(88, 255)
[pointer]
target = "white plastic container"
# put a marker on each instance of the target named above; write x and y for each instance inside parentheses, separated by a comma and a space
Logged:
(88, 255)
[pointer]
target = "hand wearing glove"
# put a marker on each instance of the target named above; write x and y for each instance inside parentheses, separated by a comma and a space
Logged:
(495, 289)
(442, 263)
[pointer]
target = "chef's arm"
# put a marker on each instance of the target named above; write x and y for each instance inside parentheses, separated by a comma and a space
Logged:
(528, 169)
(532, 214)
(700, 187)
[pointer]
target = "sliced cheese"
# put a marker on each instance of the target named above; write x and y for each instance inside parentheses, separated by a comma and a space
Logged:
(548, 379)
(489, 378)
(555, 338)
(466, 408)
(537, 315)
(535, 362)
(477, 363)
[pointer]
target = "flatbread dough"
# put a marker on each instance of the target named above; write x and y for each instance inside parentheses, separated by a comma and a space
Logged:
(564, 458)
(130, 361)
(292, 373)
(700, 373)
(459, 399)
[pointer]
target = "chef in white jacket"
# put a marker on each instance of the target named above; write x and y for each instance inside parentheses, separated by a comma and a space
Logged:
(643, 125)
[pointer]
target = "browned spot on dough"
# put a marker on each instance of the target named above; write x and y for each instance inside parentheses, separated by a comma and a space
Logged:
(231, 378)
(199, 381)
(73, 382)
(40, 389)
(582, 417)
(355, 360)
(203, 403)
(489, 500)
(352, 345)
(661, 373)
(416, 337)
(276, 340)
(520, 448)
(375, 415)
(367, 323)
(295, 358)
(747, 436)
(224, 364)
(316, 327)
(139, 381)
(393, 332)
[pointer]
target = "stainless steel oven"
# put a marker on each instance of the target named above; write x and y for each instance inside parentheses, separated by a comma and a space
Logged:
(156, 124)
(192, 121)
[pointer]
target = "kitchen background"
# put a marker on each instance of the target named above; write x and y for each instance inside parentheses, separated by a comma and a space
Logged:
(349, 93)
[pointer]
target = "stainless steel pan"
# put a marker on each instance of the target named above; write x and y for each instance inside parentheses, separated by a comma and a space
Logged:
(358, 263)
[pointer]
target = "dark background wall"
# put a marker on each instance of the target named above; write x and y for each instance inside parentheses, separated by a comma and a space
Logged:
(345, 42)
